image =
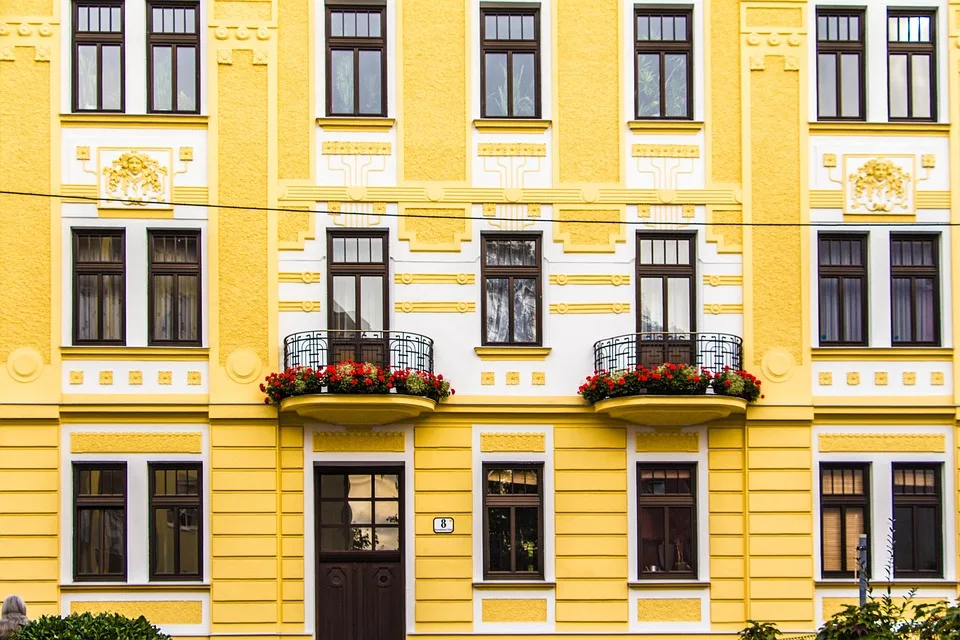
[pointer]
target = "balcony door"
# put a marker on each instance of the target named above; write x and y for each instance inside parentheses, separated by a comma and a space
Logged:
(357, 296)
(666, 292)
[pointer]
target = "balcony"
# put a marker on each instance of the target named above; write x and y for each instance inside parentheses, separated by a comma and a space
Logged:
(357, 377)
(635, 384)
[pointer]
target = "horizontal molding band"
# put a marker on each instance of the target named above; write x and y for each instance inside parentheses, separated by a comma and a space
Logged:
(435, 278)
(723, 281)
(380, 125)
(717, 309)
(512, 353)
(135, 353)
(833, 199)
(299, 277)
(873, 354)
(87, 193)
(615, 279)
(872, 129)
(306, 306)
(514, 125)
(563, 308)
(125, 121)
(435, 307)
(678, 127)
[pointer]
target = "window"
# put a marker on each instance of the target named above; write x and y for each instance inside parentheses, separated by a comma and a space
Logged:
(510, 273)
(912, 65)
(666, 273)
(98, 55)
(356, 61)
(513, 520)
(664, 55)
(915, 288)
(176, 532)
(917, 538)
(843, 289)
(360, 511)
(174, 296)
(99, 522)
(357, 296)
(173, 43)
(840, 64)
(667, 520)
(510, 61)
(98, 286)
(844, 516)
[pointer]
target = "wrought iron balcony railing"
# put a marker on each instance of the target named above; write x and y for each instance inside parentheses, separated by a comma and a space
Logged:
(712, 351)
(394, 349)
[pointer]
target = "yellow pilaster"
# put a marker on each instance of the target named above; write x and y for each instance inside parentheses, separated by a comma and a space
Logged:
(727, 541)
(295, 131)
(291, 526)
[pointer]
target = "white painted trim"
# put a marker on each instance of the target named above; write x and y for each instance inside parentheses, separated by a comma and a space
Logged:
(138, 505)
(309, 513)
(120, 595)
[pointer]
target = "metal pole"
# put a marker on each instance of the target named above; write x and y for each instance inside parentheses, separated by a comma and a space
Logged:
(862, 568)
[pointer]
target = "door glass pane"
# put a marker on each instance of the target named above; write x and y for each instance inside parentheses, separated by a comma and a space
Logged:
(679, 554)
(832, 544)
(676, 85)
(162, 78)
(524, 85)
(87, 77)
(652, 551)
(371, 82)
(387, 512)
(903, 539)
(898, 85)
(186, 78)
(850, 85)
(189, 541)
(495, 78)
(498, 310)
(359, 486)
(361, 511)
(678, 314)
(827, 85)
(331, 486)
(902, 306)
(332, 539)
(386, 538)
(331, 512)
(920, 79)
(344, 303)
(651, 305)
(111, 77)
(498, 538)
(927, 529)
(386, 486)
(361, 538)
(371, 303)
(525, 310)
(648, 85)
(341, 81)
(528, 539)
(164, 522)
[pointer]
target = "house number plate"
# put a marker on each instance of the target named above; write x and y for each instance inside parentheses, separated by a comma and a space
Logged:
(443, 525)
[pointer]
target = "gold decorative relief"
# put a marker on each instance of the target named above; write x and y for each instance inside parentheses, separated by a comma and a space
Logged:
(487, 378)
(723, 281)
(936, 378)
(876, 184)
(299, 277)
(76, 377)
(131, 442)
(533, 442)
(853, 378)
(194, 378)
(513, 378)
(135, 378)
(373, 441)
(83, 152)
(306, 306)
(882, 443)
(513, 610)
(669, 610)
(21, 33)
(909, 378)
(666, 151)
(596, 230)
(563, 308)
(243, 365)
(511, 150)
(135, 177)
(429, 228)
(355, 148)
(825, 379)
(435, 307)
(165, 377)
(717, 308)
(106, 377)
(435, 278)
(616, 279)
(156, 611)
(538, 378)
(880, 378)
(769, 31)
(667, 442)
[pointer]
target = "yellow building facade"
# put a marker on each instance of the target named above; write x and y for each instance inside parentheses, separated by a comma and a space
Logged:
(196, 194)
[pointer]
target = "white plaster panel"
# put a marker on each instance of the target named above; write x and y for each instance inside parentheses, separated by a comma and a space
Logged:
(149, 369)
(895, 385)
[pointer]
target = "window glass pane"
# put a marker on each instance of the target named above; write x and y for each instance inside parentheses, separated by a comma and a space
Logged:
(495, 77)
(363, 28)
(164, 523)
(162, 78)
(386, 539)
(679, 551)
(829, 309)
(503, 27)
(362, 538)
(370, 82)
(189, 541)
(115, 536)
(349, 25)
(87, 75)
(112, 307)
(680, 28)
(516, 28)
(344, 303)
(832, 543)
(827, 85)
(667, 30)
(341, 81)
(331, 486)
(902, 310)
(832, 28)
(928, 555)
(528, 30)
(190, 20)
(676, 85)
(524, 85)
(652, 550)
(525, 310)
(88, 307)
(387, 486)
(897, 69)
(678, 314)
(498, 310)
(920, 78)
(360, 511)
(646, 251)
(336, 24)
(332, 512)
(163, 307)
(528, 539)
(333, 539)
(90, 538)
(186, 78)
(371, 303)
(855, 523)
(651, 305)
(359, 486)
(387, 512)
(188, 303)
(924, 29)
(850, 85)
(925, 321)
(648, 85)
(498, 538)
(903, 539)
(656, 28)
(643, 28)
(374, 20)
(852, 309)
(854, 23)
(178, 26)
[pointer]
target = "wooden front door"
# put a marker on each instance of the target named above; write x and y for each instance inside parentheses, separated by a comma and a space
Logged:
(360, 572)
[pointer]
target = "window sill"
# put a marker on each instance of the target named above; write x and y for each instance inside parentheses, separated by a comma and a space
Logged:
(679, 583)
(510, 125)
(844, 128)
(512, 353)
(133, 120)
(902, 582)
(514, 584)
(665, 126)
(380, 125)
(141, 588)
(909, 354)
(135, 353)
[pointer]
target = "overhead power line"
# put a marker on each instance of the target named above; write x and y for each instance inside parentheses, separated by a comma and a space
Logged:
(685, 222)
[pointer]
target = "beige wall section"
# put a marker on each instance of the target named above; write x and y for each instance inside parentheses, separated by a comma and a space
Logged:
(244, 527)
(591, 527)
(295, 126)
(434, 127)
(291, 527)
(242, 140)
(727, 568)
(723, 82)
(29, 503)
(444, 564)
(587, 118)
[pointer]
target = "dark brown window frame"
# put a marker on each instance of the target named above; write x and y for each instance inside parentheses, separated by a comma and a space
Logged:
(99, 39)
(511, 273)
(841, 272)
(510, 47)
(174, 41)
(838, 47)
(177, 501)
(175, 269)
(357, 43)
(359, 269)
(663, 47)
(666, 501)
(909, 48)
(922, 272)
(843, 502)
(512, 501)
(666, 271)
(921, 500)
(101, 269)
(102, 502)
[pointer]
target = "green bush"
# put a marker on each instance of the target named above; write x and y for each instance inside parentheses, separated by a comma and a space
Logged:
(84, 626)
(760, 631)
